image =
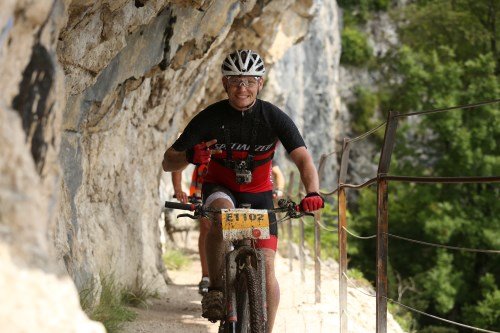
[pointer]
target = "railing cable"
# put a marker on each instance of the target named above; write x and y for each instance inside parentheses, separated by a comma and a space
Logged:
(357, 236)
(443, 246)
(362, 136)
(466, 106)
(439, 318)
(353, 285)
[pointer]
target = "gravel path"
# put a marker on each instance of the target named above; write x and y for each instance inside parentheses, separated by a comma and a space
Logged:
(180, 311)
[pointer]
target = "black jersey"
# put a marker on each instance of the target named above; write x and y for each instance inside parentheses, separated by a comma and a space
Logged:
(273, 125)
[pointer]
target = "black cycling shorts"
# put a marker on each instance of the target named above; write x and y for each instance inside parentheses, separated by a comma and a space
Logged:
(262, 200)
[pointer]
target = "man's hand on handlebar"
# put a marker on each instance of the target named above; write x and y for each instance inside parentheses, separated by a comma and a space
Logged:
(181, 196)
(312, 201)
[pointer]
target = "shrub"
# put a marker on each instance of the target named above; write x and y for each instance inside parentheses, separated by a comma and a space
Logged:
(355, 48)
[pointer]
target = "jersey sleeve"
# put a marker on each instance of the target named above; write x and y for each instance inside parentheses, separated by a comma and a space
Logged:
(191, 135)
(286, 130)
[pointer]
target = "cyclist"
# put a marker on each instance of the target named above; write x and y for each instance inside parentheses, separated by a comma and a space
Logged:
(278, 180)
(244, 131)
(195, 192)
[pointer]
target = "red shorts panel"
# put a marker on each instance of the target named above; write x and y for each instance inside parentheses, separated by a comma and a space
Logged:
(271, 243)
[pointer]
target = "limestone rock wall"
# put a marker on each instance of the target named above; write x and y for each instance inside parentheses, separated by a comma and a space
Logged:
(305, 83)
(93, 92)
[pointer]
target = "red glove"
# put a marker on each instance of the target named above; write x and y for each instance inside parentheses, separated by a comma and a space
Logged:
(199, 154)
(313, 201)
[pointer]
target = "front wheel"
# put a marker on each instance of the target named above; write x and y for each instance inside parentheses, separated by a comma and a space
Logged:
(249, 302)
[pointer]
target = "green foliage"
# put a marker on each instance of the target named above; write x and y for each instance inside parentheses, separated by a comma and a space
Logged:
(138, 296)
(438, 329)
(175, 259)
(355, 47)
(402, 316)
(487, 309)
(110, 308)
(365, 111)
(447, 57)
(462, 25)
(362, 9)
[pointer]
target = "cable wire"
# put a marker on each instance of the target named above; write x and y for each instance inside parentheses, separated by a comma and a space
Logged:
(357, 236)
(362, 136)
(444, 246)
(353, 285)
(326, 228)
(439, 318)
(466, 106)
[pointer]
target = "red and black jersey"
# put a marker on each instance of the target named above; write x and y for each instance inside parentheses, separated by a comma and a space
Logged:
(221, 118)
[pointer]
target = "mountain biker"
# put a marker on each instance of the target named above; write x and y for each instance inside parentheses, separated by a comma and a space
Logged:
(244, 130)
(195, 192)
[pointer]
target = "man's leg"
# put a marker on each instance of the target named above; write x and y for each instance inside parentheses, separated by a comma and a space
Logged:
(216, 247)
(204, 229)
(272, 288)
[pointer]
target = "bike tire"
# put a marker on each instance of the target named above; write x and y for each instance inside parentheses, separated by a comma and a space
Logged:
(242, 305)
(250, 303)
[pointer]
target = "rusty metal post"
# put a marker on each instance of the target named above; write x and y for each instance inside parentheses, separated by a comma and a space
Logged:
(317, 257)
(317, 241)
(302, 254)
(383, 222)
(342, 234)
(382, 249)
(289, 224)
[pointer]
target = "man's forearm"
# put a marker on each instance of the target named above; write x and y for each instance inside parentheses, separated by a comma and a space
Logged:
(174, 160)
(308, 173)
(177, 180)
(309, 177)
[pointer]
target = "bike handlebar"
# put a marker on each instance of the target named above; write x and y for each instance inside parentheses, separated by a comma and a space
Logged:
(285, 206)
(191, 198)
(182, 206)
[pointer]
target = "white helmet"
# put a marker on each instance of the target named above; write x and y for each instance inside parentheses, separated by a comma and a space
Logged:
(243, 62)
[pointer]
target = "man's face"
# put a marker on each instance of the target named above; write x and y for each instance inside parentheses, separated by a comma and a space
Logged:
(242, 90)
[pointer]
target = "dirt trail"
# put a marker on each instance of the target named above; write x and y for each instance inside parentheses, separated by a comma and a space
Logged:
(180, 311)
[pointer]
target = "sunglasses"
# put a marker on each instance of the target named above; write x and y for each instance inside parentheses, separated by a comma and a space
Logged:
(247, 82)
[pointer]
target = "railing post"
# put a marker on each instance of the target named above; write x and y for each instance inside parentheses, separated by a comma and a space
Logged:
(317, 257)
(383, 222)
(317, 241)
(302, 255)
(342, 222)
(289, 224)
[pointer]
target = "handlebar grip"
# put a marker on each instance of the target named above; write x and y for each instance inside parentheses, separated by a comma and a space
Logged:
(178, 205)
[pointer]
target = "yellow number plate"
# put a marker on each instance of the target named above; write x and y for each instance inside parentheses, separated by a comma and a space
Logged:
(245, 223)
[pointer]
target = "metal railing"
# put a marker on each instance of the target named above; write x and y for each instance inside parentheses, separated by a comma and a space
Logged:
(382, 181)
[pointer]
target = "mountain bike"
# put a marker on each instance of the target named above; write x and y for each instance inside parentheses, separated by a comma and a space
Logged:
(244, 273)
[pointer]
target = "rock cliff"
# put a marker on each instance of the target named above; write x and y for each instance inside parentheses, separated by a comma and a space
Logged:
(93, 92)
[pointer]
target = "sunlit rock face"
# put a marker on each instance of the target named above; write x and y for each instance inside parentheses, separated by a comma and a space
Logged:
(93, 92)
(304, 82)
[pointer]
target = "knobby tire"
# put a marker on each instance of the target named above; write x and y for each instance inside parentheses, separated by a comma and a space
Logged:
(252, 304)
